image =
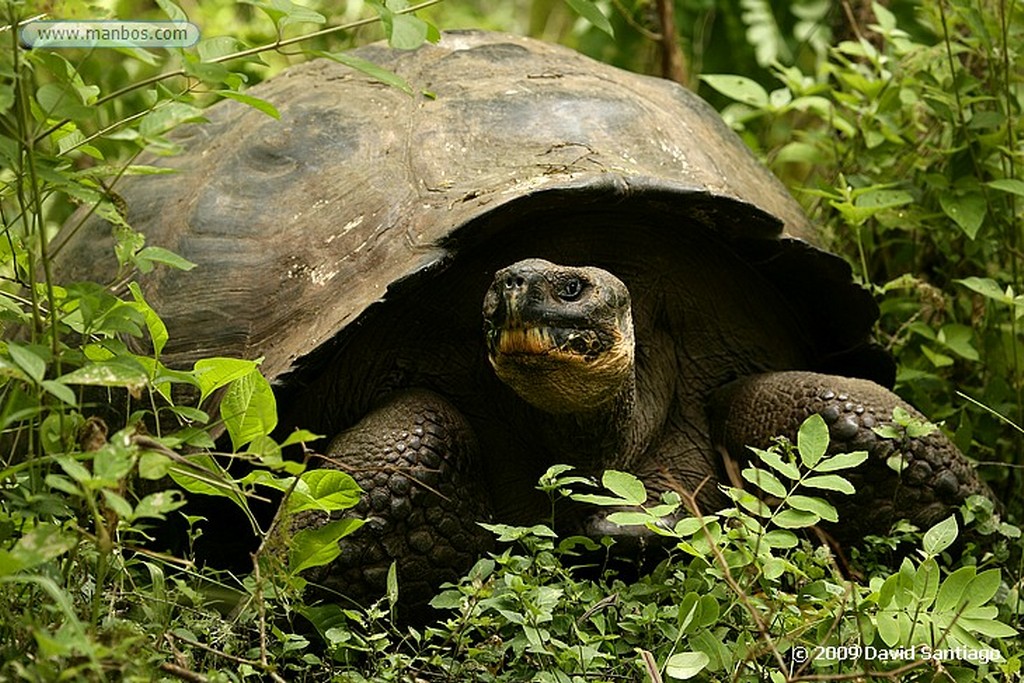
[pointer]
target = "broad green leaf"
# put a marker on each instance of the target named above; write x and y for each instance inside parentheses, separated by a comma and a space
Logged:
(325, 490)
(407, 32)
(926, 582)
(766, 481)
(167, 116)
(739, 88)
(207, 477)
(317, 547)
(60, 390)
(749, 502)
(1011, 185)
(157, 505)
(249, 409)
(817, 506)
(626, 486)
(153, 465)
(779, 538)
(888, 625)
(629, 518)
(987, 627)
(968, 210)
(795, 519)
(841, 461)
(940, 536)
(812, 440)
(988, 288)
(590, 11)
(43, 543)
(114, 373)
(687, 610)
(684, 665)
(830, 482)
(27, 360)
(255, 102)
(774, 460)
(983, 587)
(112, 462)
(117, 504)
(774, 567)
(214, 373)
(300, 436)
(157, 329)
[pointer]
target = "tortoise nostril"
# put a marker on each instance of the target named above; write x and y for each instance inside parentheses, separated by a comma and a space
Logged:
(514, 282)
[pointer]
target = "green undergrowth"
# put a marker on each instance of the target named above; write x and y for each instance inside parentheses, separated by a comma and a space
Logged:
(103, 447)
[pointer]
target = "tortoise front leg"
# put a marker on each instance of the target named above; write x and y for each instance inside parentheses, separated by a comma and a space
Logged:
(415, 458)
(936, 477)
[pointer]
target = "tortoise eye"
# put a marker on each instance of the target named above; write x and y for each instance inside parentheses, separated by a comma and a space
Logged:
(570, 289)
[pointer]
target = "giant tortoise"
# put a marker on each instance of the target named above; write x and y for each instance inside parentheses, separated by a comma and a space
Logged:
(533, 259)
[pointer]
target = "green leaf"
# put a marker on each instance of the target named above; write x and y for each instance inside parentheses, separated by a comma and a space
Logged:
(43, 543)
(325, 490)
(114, 373)
(27, 360)
(888, 627)
(817, 506)
(61, 391)
(370, 69)
(812, 440)
(953, 590)
(626, 486)
(155, 325)
(629, 518)
(147, 255)
(120, 507)
(300, 436)
(255, 102)
(153, 465)
(407, 32)
(772, 458)
(988, 288)
(1011, 185)
(967, 210)
(779, 538)
(684, 665)
(795, 519)
(841, 461)
(987, 627)
(249, 409)
(739, 88)
(766, 481)
(830, 482)
(940, 536)
(157, 505)
(317, 547)
(213, 373)
(983, 588)
(207, 477)
(589, 11)
(392, 583)
(926, 582)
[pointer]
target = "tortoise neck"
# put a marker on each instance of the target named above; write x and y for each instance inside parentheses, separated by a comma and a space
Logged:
(596, 439)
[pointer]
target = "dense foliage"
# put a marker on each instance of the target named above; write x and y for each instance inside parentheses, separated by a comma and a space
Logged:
(897, 125)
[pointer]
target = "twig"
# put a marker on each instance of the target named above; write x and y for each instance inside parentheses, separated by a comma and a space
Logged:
(673, 62)
(182, 673)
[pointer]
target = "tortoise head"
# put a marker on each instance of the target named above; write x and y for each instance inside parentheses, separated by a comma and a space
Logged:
(560, 336)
